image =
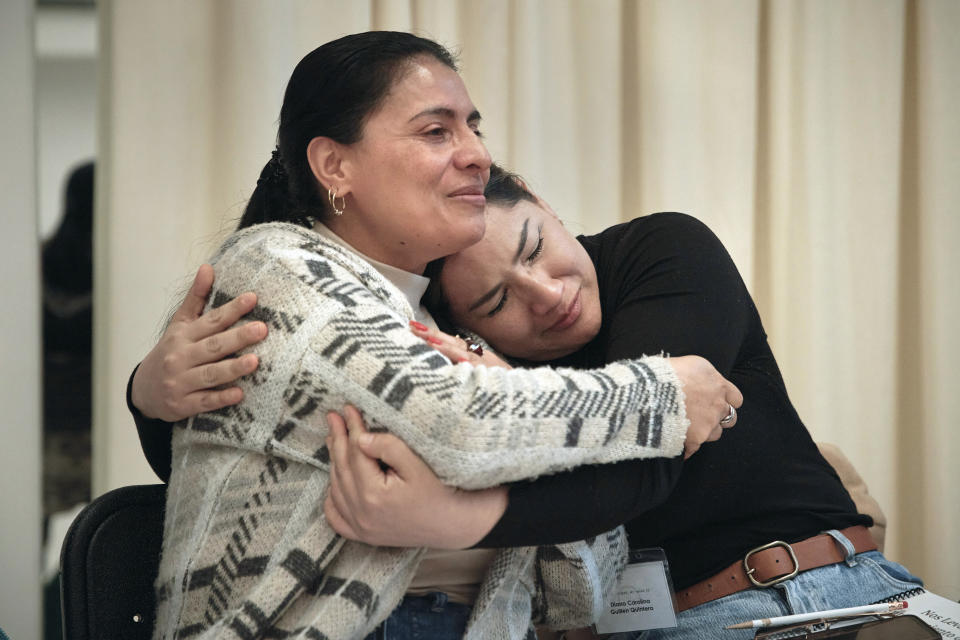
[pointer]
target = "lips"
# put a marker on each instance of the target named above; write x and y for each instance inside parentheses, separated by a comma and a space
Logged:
(569, 316)
(472, 194)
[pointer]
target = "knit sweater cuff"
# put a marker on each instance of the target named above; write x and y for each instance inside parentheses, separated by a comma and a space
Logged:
(675, 425)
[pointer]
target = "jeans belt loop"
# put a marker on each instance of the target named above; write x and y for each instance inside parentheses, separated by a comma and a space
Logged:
(769, 583)
(439, 601)
(844, 543)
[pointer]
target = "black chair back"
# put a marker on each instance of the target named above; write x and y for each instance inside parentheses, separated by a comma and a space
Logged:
(109, 563)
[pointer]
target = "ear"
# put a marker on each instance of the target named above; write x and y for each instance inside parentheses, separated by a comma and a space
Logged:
(326, 159)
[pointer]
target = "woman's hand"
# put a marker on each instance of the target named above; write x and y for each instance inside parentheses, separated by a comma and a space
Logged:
(404, 505)
(709, 399)
(455, 347)
(176, 379)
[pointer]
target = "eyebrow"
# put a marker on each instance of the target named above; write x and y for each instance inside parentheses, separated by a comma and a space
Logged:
(447, 112)
(489, 294)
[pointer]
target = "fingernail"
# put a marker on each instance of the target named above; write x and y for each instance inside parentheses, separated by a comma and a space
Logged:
(419, 326)
(433, 340)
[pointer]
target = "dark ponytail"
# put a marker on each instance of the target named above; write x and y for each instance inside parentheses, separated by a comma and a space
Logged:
(271, 200)
(331, 93)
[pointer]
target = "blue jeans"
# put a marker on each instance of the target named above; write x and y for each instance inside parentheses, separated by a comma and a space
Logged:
(429, 617)
(862, 579)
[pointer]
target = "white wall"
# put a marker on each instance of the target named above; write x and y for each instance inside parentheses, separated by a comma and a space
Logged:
(66, 102)
(20, 328)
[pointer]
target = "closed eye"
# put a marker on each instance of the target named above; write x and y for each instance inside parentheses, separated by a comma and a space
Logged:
(499, 307)
(539, 248)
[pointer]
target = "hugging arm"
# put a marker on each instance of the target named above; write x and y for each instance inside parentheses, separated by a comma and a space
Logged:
(187, 370)
(335, 338)
(155, 436)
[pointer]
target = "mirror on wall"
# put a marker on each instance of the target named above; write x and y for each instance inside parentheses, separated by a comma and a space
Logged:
(66, 107)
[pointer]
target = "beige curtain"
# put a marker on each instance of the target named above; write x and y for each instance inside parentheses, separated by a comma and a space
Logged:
(818, 138)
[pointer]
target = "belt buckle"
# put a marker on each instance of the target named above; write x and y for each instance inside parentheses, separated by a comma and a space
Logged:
(770, 583)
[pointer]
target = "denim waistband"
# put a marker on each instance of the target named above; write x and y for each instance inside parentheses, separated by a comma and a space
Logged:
(435, 601)
(428, 617)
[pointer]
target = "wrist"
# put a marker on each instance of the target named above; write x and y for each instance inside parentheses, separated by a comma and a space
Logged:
(134, 398)
(484, 508)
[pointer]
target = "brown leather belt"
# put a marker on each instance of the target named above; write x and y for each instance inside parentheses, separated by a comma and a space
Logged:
(773, 563)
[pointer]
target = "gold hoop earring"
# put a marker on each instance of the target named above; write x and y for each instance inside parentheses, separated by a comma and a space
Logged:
(332, 196)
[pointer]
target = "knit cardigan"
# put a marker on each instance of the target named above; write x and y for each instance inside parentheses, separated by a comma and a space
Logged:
(247, 552)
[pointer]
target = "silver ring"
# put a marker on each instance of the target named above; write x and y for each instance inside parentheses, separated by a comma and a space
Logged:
(730, 417)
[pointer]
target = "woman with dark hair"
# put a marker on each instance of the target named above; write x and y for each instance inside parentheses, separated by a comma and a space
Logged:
(379, 169)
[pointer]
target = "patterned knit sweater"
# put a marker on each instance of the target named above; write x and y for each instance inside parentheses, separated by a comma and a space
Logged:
(247, 552)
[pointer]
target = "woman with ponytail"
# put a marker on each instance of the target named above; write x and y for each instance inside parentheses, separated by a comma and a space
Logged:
(379, 169)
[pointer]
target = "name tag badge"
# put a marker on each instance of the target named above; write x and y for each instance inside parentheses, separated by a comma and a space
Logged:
(644, 597)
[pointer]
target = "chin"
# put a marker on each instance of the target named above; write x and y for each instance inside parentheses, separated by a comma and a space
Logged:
(474, 229)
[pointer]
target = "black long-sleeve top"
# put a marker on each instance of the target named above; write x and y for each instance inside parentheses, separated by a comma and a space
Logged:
(668, 285)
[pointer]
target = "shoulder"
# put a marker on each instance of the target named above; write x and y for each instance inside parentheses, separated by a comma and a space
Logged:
(275, 256)
(648, 241)
(663, 254)
(278, 246)
(270, 239)
(656, 228)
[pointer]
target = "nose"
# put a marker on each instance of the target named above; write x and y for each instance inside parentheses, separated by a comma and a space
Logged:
(472, 153)
(542, 292)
